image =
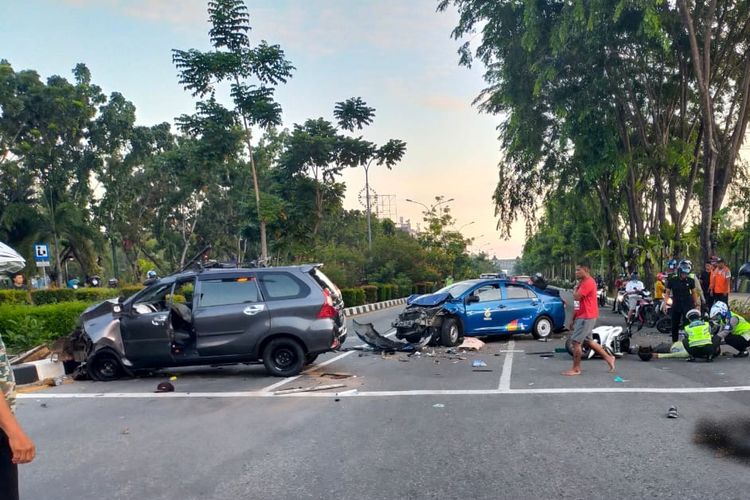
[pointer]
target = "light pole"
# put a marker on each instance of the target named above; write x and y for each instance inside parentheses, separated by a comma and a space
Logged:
(431, 207)
(465, 225)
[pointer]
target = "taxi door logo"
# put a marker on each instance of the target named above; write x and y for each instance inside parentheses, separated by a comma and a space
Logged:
(488, 314)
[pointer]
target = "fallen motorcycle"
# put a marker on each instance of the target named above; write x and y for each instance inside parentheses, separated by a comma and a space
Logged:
(611, 338)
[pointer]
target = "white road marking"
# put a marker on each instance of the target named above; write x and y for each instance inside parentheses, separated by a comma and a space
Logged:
(507, 367)
(287, 380)
(372, 394)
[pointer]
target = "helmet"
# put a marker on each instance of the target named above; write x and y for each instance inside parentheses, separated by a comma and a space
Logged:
(165, 387)
(685, 264)
(693, 315)
(672, 264)
(646, 353)
(151, 274)
(685, 269)
(719, 310)
(661, 276)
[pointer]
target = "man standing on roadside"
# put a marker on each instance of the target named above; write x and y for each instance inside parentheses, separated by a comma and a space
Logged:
(720, 282)
(15, 446)
(584, 319)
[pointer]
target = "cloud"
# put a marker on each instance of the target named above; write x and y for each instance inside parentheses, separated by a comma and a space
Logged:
(447, 103)
(180, 13)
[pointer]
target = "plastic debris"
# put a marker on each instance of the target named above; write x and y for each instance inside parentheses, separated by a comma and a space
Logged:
(619, 379)
(477, 363)
(173, 378)
(438, 405)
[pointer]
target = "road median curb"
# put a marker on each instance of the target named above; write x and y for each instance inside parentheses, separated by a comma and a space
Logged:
(357, 310)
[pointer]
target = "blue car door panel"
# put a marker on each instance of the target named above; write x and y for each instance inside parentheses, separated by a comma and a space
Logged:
(521, 307)
(484, 317)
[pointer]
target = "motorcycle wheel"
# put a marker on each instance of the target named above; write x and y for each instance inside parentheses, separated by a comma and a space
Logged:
(664, 324)
(649, 318)
(585, 349)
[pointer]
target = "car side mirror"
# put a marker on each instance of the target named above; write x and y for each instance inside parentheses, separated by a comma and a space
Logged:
(471, 299)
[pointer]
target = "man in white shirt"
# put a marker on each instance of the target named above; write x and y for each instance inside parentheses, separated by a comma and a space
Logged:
(633, 289)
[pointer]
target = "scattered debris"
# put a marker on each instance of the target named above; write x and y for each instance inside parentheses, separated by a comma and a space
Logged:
(308, 389)
(547, 355)
(619, 379)
(560, 349)
(367, 333)
(478, 363)
(337, 375)
(672, 412)
(451, 350)
(337, 400)
(471, 344)
(541, 352)
(438, 405)
(482, 370)
(173, 378)
(35, 354)
(43, 405)
(404, 360)
(531, 383)
(125, 431)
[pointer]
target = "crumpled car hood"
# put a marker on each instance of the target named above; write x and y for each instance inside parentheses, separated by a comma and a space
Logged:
(430, 300)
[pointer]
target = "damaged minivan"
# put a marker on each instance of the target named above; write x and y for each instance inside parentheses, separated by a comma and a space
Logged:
(481, 307)
(283, 317)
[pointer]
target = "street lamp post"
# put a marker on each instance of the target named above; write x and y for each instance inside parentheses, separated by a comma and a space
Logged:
(465, 225)
(431, 207)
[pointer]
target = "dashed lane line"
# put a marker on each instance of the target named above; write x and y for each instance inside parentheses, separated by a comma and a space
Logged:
(507, 368)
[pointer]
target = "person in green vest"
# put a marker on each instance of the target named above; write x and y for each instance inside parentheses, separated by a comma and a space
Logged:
(698, 341)
(736, 329)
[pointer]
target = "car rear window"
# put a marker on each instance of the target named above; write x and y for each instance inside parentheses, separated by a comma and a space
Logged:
(223, 292)
(325, 282)
(283, 286)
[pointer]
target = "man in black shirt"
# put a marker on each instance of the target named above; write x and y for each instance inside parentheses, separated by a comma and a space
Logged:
(681, 288)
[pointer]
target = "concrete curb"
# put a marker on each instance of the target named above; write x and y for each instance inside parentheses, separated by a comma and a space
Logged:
(354, 311)
(29, 373)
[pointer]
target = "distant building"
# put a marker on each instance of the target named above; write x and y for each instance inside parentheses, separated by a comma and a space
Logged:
(506, 265)
(406, 227)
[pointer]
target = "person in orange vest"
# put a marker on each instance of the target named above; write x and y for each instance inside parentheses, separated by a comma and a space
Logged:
(721, 278)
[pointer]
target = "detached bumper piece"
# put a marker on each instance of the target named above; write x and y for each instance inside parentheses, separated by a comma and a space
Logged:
(370, 336)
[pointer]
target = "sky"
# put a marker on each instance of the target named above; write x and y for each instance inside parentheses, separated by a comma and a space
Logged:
(397, 55)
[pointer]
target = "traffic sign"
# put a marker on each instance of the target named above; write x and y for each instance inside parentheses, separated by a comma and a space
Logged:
(42, 263)
(41, 252)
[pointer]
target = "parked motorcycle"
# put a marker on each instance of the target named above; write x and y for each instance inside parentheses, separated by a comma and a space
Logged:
(618, 302)
(601, 296)
(644, 313)
(611, 338)
(664, 319)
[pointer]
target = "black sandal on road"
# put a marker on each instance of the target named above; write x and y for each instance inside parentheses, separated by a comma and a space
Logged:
(672, 412)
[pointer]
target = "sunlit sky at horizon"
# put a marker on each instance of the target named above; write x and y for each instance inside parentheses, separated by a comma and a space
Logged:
(397, 55)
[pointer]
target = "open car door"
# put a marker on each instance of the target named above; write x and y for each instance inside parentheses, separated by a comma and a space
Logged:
(146, 329)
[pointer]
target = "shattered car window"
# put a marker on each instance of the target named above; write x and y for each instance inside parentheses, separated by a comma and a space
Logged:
(456, 289)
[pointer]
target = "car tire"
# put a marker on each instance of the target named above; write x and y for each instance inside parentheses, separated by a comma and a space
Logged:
(104, 367)
(310, 358)
(283, 357)
(543, 328)
(450, 333)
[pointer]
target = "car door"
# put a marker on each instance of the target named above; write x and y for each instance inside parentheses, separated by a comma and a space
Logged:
(145, 329)
(520, 306)
(484, 312)
(229, 315)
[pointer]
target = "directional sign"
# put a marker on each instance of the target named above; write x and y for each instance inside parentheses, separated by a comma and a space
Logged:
(41, 252)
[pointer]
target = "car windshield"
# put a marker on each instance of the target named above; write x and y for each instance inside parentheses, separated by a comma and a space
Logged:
(456, 289)
(154, 294)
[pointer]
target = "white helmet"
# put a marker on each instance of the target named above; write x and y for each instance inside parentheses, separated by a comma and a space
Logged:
(693, 315)
(719, 310)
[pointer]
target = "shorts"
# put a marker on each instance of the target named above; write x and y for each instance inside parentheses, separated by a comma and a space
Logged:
(582, 329)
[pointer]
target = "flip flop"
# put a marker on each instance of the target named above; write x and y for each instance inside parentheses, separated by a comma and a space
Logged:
(672, 412)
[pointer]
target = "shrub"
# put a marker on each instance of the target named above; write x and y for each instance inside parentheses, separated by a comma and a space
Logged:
(425, 287)
(14, 297)
(371, 293)
(382, 292)
(53, 296)
(404, 291)
(26, 326)
(353, 296)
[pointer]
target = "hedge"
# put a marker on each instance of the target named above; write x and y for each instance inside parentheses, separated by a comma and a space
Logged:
(53, 296)
(24, 326)
(424, 287)
(15, 297)
(371, 293)
(96, 294)
(127, 291)
(353, 297)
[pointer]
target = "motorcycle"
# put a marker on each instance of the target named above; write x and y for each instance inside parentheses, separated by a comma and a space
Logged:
(644, 313)
(618, 302)
(611, 338)
(601, 296)
(664, 318)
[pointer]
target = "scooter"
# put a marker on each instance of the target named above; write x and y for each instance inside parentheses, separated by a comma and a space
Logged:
(611, 338)
(618, 303)
(664, 319)
(601, 296)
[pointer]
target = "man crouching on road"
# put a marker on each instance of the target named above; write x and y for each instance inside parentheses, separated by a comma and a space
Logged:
(584, 318)
(15, 446)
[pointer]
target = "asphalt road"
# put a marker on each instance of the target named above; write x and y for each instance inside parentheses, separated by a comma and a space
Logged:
(426, 426)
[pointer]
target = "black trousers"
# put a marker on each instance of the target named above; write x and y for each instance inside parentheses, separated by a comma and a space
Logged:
(737, 341)
(678, 321)
(8, 471)
(705, 351)
(723, 298)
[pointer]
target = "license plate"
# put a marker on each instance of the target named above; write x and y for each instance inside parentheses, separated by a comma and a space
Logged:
(403, 324)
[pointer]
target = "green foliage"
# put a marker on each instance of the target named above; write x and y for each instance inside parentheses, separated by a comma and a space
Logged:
(25, 326)
(353, 296)
(371, 293)
(96, 294)
(127, 291)
(15, 297)
(53, 296)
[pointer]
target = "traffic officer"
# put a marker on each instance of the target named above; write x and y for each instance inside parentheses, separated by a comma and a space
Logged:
(736, 329)
(681, 289)
(698, 341)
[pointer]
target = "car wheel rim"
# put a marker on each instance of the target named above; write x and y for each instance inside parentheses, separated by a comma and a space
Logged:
(284, 358)
(454, 333)
(108, 368)
(543, 328)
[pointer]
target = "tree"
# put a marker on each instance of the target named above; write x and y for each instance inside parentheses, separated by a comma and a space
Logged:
(251, 72)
